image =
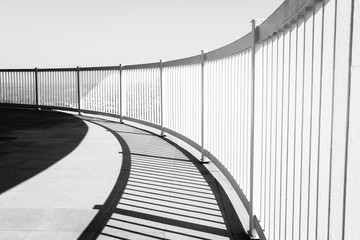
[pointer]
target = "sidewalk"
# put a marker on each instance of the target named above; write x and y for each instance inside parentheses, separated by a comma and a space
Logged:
(63, 177)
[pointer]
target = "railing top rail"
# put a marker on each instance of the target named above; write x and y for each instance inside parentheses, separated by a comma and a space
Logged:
(62, 69)
(289, 10)
(18, 70)
(142, 66)
(100, 68)
(183, 61)
(230, 49)
(57, 69)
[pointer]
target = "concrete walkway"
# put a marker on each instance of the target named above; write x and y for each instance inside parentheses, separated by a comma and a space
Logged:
(64, 177)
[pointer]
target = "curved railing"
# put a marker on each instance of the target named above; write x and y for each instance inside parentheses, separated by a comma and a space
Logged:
(272, 110)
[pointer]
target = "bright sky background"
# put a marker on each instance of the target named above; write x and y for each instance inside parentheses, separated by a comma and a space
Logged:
(70, 33)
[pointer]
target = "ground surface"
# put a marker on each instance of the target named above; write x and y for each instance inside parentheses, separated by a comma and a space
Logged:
(64, 177)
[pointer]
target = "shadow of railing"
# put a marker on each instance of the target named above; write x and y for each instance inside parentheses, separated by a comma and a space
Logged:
(162, 192)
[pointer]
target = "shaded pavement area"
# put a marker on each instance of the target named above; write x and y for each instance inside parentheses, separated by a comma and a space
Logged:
(68, 177)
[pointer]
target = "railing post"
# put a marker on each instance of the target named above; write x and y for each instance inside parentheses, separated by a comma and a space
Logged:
(161, 99)
(254, 24)
(202, 106)
(78, 89)
(121, 94)
(36, 89)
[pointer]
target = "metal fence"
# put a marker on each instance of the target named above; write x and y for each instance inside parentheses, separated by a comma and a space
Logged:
(272, 110)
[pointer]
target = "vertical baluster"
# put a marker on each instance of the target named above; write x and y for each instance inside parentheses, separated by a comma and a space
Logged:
(78, 90)
(288, 137)
(161, 99)
(120, 94)
(202, 105)
(252, 88)
(36, 89)
(324, 157)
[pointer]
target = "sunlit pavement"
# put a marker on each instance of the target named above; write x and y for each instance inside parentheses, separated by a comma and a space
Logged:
(64, 177)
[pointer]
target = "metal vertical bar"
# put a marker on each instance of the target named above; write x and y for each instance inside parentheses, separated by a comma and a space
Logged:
(18, 84)
(149, 92)
(288, 129)
(121, 94)
(6, 87)
(78, 89)
(141, 92)
(251, 227)
(282, 66)
(56, 90)
(241, 100)
(61, 83)
(266, 131)
(262, 132)
(276, 70)
(271, 126)
(21, 88)
(202, 106)
(19, 95)
(135, 97)
(320, 117)
(50, 90)
(311, 118)
(295, 126)
(302, 120)
(129, 90)
(156, 91)
(2, 87)
(28, 88)
(161, 99)
(36, 89)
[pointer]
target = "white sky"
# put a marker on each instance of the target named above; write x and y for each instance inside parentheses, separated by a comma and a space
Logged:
(70, 33)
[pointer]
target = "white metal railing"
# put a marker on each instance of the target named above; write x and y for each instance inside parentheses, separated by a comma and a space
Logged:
(182, 100)
(100, 90)
(228, 100)
(142, 98)
(57, 88)
(276, 111)
(17, 87)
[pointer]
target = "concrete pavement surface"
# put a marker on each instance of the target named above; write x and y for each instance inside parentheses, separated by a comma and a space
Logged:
(69, 177)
